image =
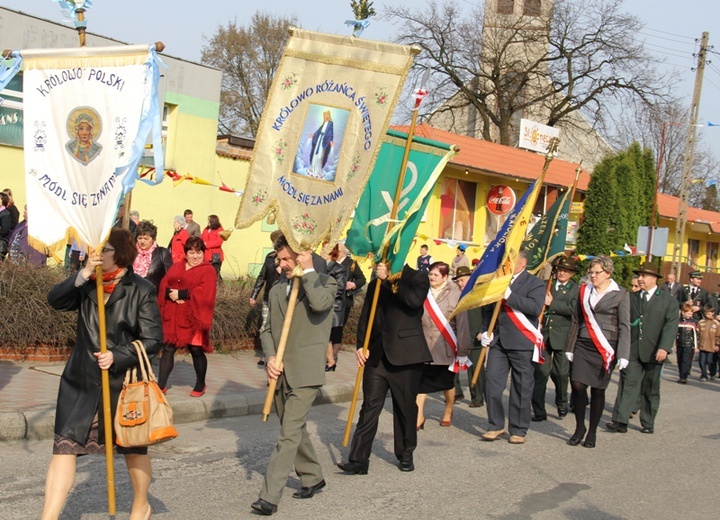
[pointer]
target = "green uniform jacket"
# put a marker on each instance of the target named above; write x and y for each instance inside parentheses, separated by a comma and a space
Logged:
(654, 327)
(558, 315)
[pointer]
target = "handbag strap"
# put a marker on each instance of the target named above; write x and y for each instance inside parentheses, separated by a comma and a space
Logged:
(144, 361)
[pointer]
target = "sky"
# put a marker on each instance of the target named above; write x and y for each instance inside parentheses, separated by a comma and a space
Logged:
(671, 28)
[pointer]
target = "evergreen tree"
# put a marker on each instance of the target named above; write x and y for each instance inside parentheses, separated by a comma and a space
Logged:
(597, 233)
(710, 202)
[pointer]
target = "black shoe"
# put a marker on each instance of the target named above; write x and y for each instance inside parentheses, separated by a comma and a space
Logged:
(589, 444)
(309, 492)
(263, 507)
(574, 441)
(539, 418)
(647, 430)
(562, 412)
(356, 468)
(261, 362)
(406, 465)
(331, 368)
(476, 405)
(683, 381)
(617, 427)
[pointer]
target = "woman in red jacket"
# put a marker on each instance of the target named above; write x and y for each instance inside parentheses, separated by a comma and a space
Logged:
(187, 301)
(213, 243)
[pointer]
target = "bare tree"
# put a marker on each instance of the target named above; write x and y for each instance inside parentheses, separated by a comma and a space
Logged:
(249, 57)
(583, 57)
(644, 123)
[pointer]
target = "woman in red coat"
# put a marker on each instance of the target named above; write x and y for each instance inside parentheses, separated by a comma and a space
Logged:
(213, 243)
(187, 301)
(177, 242)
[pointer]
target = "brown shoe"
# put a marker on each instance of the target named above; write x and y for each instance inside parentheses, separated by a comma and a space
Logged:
(516, 439)
(492, 435)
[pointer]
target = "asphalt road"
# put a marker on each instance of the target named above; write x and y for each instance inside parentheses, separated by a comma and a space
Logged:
(213, 471)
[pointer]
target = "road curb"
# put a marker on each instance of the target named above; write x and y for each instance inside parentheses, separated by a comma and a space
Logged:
(39, 425)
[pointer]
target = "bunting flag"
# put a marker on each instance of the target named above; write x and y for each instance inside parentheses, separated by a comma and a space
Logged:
(491, 278)
(368, 231)
(546, 240)
(324, 120)
(88, 113)
(150, 173)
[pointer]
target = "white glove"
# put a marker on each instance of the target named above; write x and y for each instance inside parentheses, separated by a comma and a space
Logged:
(569, 356)
(485, 339)
(623, 363)
(461, 363)
(507, 294)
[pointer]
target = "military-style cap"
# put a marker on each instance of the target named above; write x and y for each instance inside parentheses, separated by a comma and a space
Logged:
(696, 274)
(461, 271)
(565, 263)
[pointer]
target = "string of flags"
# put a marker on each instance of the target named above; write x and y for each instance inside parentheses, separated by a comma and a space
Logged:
(177, 179)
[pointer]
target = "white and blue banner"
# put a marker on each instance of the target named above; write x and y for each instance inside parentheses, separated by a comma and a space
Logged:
(88, 113)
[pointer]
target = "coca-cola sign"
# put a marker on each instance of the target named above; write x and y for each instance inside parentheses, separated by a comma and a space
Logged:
(500, 200)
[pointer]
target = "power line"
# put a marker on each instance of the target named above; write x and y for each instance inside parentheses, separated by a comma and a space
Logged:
(671, 34)
(689, 55)
(709, 81)
(666, 39)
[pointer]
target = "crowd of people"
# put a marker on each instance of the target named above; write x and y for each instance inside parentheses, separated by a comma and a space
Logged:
(574, 334)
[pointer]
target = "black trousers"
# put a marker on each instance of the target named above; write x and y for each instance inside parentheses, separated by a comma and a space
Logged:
(403, 383)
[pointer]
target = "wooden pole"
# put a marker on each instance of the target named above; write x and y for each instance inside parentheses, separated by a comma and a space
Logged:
(105, 381)
(376, 293)
(283, 341)
(81, 30)
(105, 377)
(548, 158)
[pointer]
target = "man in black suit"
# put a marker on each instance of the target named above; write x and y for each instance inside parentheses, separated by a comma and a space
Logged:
(697, 295)
(675, 289)
(512, 350)
(398, 351)
(561, 304)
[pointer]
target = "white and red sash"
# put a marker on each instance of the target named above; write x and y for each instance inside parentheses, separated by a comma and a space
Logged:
(438, 318)
(596, 334)
(528, 330)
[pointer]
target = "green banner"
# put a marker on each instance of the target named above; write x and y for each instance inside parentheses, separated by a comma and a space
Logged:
(11, 119)
(546, 240)
(368, 232)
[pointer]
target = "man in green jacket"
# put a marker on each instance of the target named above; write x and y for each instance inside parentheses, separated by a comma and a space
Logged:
(560, 305)
(654, 320)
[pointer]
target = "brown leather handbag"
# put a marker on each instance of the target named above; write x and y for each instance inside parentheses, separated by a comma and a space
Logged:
(143, 416)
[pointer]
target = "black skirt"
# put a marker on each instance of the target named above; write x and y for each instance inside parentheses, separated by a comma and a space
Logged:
(588, 366)
(436, 378)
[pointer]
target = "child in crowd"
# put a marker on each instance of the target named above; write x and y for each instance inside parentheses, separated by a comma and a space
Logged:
(686, 342)
(709, 332)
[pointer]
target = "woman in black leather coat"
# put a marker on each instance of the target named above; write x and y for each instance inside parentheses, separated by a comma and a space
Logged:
(131, 314)
(152, 261)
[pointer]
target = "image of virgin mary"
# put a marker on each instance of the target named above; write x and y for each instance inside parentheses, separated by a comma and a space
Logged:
(83, 129)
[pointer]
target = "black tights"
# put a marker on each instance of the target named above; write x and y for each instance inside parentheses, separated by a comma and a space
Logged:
(167, 362)
(597, 405)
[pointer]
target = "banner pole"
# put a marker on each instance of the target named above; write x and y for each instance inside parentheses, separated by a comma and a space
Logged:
(376, 293)
(552, 148)
(281, 344)
(105, 380)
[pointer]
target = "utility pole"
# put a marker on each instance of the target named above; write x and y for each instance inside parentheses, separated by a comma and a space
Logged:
(688, 161)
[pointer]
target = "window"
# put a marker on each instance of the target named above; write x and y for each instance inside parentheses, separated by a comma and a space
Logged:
(505, 6)
(11, 113)
(532, 8)
(457, 210)
(693, 250)
(712, 255)
(147, 158)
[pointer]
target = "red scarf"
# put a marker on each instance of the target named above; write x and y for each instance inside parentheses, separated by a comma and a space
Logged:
(110, 280)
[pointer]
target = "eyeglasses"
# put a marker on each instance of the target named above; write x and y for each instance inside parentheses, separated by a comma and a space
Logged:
(108, 250)
(595, 273)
